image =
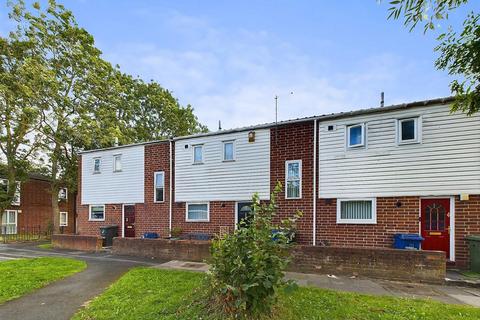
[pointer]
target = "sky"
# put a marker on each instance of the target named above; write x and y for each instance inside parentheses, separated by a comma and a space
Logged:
(229, 59)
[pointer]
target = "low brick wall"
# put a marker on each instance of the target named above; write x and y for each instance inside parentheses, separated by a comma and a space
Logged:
(188, 250)
(391, 264)
(76, 242)
(383, 263)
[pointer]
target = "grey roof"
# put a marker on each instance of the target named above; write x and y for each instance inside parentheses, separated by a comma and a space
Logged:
(421, 103)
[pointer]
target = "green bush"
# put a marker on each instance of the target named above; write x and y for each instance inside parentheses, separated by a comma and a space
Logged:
(247, 267)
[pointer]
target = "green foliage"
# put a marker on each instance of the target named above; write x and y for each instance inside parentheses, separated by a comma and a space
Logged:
(459, 51)
(176, 232)
(151, 294)
(18, 277)
(247, 267)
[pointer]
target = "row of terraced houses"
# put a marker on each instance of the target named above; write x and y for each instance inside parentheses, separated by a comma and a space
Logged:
(359, 177)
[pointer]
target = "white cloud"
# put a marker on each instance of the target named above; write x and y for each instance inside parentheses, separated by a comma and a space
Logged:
(233, 75)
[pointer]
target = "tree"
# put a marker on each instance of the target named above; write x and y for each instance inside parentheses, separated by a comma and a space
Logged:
(21, 84)
(459, 51)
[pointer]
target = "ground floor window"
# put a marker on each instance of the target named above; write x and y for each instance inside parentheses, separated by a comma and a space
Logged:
(97, 213)
(63, 219)
(198, 212)
(357, 211)
(9, 222)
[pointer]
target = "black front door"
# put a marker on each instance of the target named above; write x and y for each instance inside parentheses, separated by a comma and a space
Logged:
(244, 213)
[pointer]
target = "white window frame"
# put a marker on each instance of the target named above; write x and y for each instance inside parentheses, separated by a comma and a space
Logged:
(197, 220)
(418, 130)
(99, 165)
(234, 155)
(66, 194)
(66, 218)
(299, 177)
(8, 223)
(90, 212)
(373, 220)
(155, 174)
(115, 169)
(17, 194)
(193, 154)
(364, 131)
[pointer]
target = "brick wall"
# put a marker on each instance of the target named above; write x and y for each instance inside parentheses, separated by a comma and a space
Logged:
(76, 242)
(467, 221)
(113, 216)
(35, 210)
(294, 142)
(391, 219)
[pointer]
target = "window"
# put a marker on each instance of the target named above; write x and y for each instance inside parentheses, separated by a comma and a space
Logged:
(97, 162)
(63, 194)
(293, 177)
(16, 195)
(360, 211)
(159, 186)
(356, 135)
(198, 212)
(117, 163)
(228, 151)
(198, 154)
(97, 213)
(63, 219)
(9, 222)
(407, 130)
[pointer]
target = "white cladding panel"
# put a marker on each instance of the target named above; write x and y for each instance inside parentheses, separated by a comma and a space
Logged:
(106, 187)
(446, 162)
(216, 179)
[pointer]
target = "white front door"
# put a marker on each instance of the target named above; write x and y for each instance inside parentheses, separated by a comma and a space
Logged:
(9, 222)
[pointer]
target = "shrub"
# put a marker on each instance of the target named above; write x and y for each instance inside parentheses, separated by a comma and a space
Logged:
(247, 267)
(176, 232)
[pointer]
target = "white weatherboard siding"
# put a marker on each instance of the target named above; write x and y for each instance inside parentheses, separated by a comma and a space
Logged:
(446, 162)
(126, 186)
(220, 180)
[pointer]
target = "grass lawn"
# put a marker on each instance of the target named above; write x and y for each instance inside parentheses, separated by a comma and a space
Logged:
(18, 277)
(45, 246)
(145, 293)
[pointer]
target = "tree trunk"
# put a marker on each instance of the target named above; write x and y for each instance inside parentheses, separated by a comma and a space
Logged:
(55, 188)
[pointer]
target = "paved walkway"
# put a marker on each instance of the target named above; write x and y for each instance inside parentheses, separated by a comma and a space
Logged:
(61, 299)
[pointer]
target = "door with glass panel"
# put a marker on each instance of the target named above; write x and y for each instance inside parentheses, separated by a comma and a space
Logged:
(9, 222)
(244, 214)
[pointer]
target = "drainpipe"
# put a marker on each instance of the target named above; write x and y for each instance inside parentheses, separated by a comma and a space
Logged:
(170, 192)
(314, 229)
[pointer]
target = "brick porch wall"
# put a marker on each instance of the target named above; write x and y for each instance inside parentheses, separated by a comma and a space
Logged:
(467, 221)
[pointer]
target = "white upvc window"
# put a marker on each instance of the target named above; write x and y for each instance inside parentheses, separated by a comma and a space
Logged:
(357, 211)
(97, 164)
(356, 135)
(408, 130)
(96, 212)
(63, 219)
(117, 163)
(63, 194)
(293, 177)
(159, 180)
(198, 154)
(9, 222)
(198, 212)
(16, 195)
(229, 150)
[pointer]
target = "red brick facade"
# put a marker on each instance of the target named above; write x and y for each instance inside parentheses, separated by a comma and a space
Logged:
(287, 142)
(35, 209)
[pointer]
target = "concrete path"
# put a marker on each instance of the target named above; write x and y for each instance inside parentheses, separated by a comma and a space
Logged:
(447, 294)
(61, 299)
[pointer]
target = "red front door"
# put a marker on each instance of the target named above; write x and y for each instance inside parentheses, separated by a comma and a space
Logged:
(435, 224)
(129, 221)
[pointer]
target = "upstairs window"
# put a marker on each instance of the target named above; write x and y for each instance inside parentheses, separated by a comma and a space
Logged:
(356, 135)
(228, 151)
(408, 131)
(97, 162)
(16, 195)
(159, 186)
(63, 219)
(356, 211)
(117, 163)
(198, 154)
(63, 194)
(293, 170)
(197, 212)
(97, 213)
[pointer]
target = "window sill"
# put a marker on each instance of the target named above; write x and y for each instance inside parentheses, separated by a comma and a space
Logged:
(290, 198)
(360, 146)
(356, 222)
(155, 201)
(100, 220)
(197, 163)
(97, 172)
(197, 220)
(401, 143)
(233, 160)
(115, 171)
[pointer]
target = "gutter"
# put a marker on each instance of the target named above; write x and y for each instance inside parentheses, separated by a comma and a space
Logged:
(314, 229)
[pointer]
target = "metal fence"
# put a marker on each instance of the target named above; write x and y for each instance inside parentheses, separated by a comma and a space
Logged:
(12, 233)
